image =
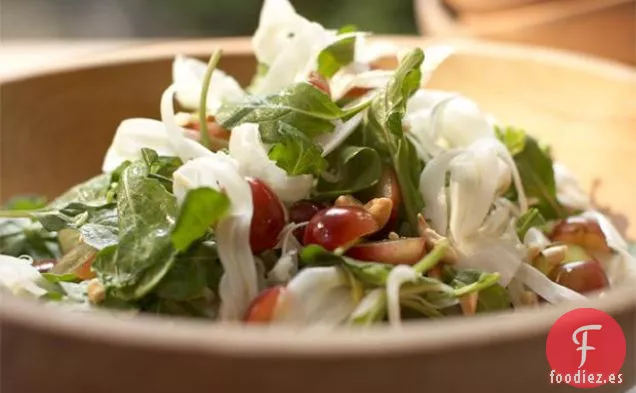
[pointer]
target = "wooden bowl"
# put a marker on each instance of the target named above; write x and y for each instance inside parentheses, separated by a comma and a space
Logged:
(57, 123)
(608, 26)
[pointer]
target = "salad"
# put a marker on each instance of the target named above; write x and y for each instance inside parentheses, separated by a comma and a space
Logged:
(331, 191)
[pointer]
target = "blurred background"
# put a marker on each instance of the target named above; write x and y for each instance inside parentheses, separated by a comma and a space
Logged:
(605, 28)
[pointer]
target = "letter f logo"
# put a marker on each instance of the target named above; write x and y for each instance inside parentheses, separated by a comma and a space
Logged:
(583, 344)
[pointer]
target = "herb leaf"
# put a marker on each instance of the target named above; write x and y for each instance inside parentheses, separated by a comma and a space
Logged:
(492, 296)
(93, 191)
(26, 202)
(531, 218)
(370, 273)
(336, 56)
(144, 253)
(201, 209)
(294, 152)
(536, 171)
(384, 129)
(300, 105)
(193, 271)
(352, 169)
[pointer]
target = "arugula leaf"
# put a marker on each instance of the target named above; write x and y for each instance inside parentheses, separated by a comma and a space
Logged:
(26, 202)
(492, 296)
(144, 254)
(335, 56)
(370, 273)
(294, 152)
(383, 127)
(531, 218)
(56, 278)
(513, 138)
(194, 271)
(300, 105)
(96, 224)
(24, 237)
(351, 169)
(161, 167)
(537, 174)
(93, 191)
(201, 209)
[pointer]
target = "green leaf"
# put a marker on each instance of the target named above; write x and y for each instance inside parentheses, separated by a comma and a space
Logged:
(97, 224)
(383, 129)
(193, 271)
(294, 152)
(300, 105)
(161, 167)
(24, 237)
(56, 278)
(513, 138)
(492, 296)
(351, 169)
(335, 56)
(370, 273)
(537, 174)
(93, 191)
(201, 209)
(144, 253)
(26, 202)
(531, 218)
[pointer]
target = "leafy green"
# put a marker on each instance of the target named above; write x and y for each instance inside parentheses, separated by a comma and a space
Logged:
(531, 218)
(352, 169)
(536, 171)
(19, 235)
(300, 105)
(24, 237)
(492, 296)
(56, 278)
(294, 152)
(193, 271)
(383, 129)
(93, 191)
(200, 210)
(160, 167)
(370, 273)
(96, 224)
(144, 253)
(26, 202)
(513, 138)
(337, 55)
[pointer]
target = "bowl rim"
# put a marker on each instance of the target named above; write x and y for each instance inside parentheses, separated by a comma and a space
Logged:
(176, 334)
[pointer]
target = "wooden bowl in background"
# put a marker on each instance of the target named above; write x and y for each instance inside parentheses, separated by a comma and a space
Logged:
(605, 28)
(57, 123)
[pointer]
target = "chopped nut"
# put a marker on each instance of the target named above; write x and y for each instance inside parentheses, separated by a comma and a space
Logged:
(96, 292)
(380, 209)
(432, 238)
(468, 303)
(555, 255)
(347, 200)
(393, 236)
(435, 272)
(533, 252)
(529, 298)
(422, 225)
